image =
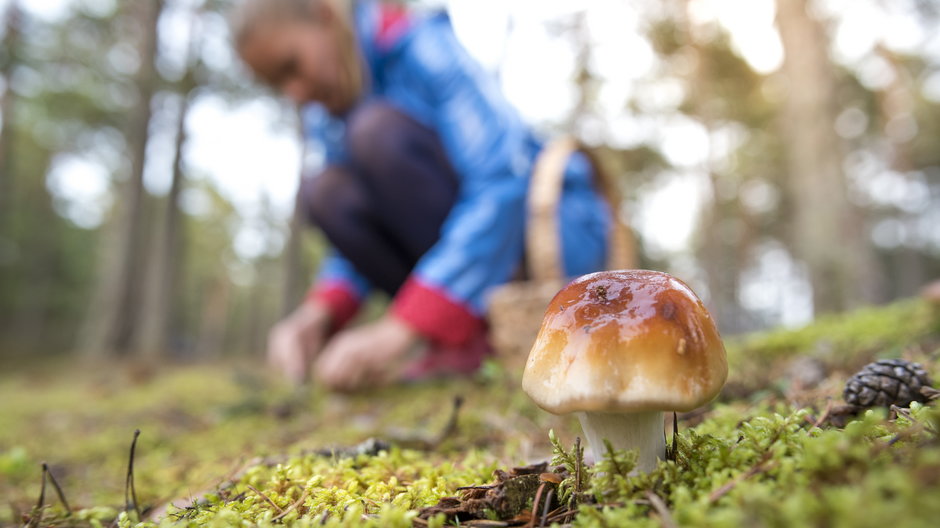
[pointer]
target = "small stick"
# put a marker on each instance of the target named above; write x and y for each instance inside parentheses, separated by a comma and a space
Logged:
(613, 458)
(559, 513)
(451, 426)
(578, 460)
(930, 393)
(824, 416)
(759, 467)
(130, 491)
(675, 436)
(548, 503)
(290, 508)
(535, 505)
(266, 498)
(664, 516)
(58, 490)
(37, 518)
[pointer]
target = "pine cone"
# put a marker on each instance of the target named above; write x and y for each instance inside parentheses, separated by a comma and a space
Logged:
(887, 382)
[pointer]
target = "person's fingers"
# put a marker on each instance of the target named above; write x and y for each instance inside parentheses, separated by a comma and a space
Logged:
(295, 365)
(340, 366)
(286, 354)
(327, 364)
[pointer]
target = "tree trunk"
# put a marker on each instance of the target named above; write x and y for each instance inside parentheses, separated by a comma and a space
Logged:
(907, 264)
(10, 46)
(828, 233)
(213, 319)
(113, 315)
(724, 234)
(155, 317)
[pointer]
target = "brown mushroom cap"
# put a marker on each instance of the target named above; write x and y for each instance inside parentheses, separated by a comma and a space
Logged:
(625, 341)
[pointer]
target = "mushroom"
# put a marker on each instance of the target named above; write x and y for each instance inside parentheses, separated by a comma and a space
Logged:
(619, 348)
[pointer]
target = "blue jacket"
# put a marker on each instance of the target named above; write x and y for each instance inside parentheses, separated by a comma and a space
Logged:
(416, 63)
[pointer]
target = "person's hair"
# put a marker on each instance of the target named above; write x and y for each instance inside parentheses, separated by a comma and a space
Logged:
(247, 15)
(250, 14)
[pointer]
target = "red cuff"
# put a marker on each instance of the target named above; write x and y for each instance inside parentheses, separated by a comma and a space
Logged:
(434, 315)
(339, 298)
(393, 23)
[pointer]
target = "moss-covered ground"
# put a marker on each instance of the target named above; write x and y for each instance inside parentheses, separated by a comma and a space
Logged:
(225, 445)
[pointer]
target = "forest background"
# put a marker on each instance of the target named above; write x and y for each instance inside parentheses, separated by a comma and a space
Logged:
(783, 157)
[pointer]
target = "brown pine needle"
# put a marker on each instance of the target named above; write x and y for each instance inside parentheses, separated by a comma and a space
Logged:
(293, 506)
(579, 459)
(130, 491)
(37, 517)
(266, 498)
(58, 490)
(664, 516)
(545, 509)
(535, 505)
(824, 416)
(760, 467)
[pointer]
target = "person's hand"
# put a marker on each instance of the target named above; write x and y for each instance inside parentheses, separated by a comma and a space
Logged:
(364, 356)
(295, 341)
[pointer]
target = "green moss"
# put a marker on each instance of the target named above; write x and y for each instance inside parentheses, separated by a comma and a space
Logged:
(381, 490)
(841, 342)
(878, 331)
(776, 470)
(223, 443)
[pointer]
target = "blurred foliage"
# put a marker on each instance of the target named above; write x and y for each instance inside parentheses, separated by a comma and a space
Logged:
(68, 84)
(70, 80)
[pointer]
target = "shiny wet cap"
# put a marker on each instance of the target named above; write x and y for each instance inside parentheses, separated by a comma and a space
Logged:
(625, 341)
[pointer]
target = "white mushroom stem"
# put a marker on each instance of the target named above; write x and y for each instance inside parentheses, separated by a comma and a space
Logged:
(642, 431)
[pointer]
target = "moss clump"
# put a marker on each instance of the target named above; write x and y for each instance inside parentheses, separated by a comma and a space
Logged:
(839, 343)
(385, 489)
(763, 456)
(778, 470)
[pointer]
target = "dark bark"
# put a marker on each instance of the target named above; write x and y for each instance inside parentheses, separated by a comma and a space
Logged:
(11, 41)
(165, 253)
(155, 319)
(113, 315)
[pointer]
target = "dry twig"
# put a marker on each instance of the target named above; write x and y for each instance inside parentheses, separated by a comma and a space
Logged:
(664, 516)
(760, 467)
(58, 490)
(535, 504)
(266, 498)
(130, 491)
(36, 518)
(293, 506)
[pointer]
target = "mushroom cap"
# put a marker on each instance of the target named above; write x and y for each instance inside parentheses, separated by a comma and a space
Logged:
(625, 341)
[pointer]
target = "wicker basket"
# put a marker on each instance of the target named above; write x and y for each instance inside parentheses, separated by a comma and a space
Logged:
(516, 309)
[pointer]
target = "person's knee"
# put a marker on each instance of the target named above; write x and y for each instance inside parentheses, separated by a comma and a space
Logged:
(374, 133)
(321, 194)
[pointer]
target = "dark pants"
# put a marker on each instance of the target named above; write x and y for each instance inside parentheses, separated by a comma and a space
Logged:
(384, 208)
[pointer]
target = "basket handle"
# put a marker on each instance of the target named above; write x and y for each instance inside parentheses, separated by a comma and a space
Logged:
(543, 240)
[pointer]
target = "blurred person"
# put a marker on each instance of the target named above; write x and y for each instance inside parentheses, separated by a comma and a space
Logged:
(422, 195)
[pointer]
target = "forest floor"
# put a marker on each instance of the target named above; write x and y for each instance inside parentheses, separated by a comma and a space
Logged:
(224, 444)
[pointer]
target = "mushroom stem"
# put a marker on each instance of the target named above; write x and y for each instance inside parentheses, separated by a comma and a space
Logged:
(642, 431)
